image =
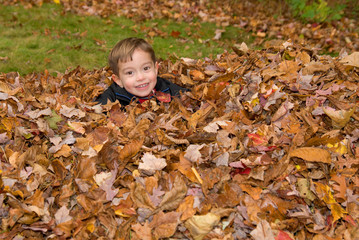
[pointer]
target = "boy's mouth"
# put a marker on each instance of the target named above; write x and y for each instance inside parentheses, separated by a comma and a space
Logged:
(142, 85)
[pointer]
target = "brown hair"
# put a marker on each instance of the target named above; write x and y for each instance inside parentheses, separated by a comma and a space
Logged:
(124, 49)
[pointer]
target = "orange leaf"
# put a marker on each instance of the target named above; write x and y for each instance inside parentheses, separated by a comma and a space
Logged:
(185, 168)
(197, 75)
(186, 207)
(130, 149)
(254, 192)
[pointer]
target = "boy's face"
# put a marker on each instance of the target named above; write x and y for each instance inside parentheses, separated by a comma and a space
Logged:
(138, 76)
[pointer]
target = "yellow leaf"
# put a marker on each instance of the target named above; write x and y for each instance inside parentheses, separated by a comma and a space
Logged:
(337, 211)
(324, 193)
(18, 193)
(120, 212)
(90, 227)
(339, 147)
(136, 173)
(197, 175)
(312, 154)
(57, 1)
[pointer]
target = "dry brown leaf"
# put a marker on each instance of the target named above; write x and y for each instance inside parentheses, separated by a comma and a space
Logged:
(130, 149)
(185, 167)
(312, 154)
(164, 225)
(340, 118)
(263, 231)
(172, 199)
(186, 208)
(254, 192)
(197, 75)
(140, 196)
(142, 231)
(351, 60)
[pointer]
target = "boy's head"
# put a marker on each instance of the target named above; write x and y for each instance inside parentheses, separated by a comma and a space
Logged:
(134, 65)
(123, 51)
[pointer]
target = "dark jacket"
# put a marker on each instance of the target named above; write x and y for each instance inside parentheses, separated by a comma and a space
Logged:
(115, 92)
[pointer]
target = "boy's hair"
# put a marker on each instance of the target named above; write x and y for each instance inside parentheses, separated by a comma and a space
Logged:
(124, 49)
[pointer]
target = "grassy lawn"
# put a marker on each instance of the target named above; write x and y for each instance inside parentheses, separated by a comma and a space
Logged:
(40, 38)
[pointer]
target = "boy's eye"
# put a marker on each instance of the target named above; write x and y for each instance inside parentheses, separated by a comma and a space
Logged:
(147, 68)
(129, 73)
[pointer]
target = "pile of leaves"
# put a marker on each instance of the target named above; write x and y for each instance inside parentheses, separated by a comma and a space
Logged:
(261, 19)
(264, 146)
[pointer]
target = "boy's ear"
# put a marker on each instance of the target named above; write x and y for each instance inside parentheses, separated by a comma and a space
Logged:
(156, 66)
(117, 80)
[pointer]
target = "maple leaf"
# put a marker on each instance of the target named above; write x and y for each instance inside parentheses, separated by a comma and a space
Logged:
(143, 231)
(339, 117)
(150, 164)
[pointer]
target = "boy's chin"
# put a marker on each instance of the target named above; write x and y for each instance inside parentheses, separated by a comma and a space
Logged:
(141, 95)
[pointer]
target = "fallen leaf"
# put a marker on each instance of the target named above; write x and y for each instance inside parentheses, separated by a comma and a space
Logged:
(62, 215)
(312, 154)
(263, 231)
(200, 225)
(150, 164)
(351, 60)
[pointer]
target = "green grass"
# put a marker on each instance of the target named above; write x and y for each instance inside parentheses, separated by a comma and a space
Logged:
(40, 38)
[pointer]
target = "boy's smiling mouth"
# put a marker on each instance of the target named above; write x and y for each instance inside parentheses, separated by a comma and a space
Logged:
(142, 85)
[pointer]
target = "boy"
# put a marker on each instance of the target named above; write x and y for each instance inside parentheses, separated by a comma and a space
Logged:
(135, 69)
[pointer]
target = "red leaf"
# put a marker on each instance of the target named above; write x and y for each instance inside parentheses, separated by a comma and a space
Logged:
(175, 34)
(163, 97)
(257, 139)
(283, 236)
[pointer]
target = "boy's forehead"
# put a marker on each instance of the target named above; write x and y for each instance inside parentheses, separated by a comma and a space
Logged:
(140, 55)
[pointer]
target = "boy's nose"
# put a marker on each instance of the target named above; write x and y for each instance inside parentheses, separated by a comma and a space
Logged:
(140, 76)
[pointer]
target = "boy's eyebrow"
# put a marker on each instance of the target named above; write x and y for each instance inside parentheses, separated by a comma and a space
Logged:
(122, 69)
